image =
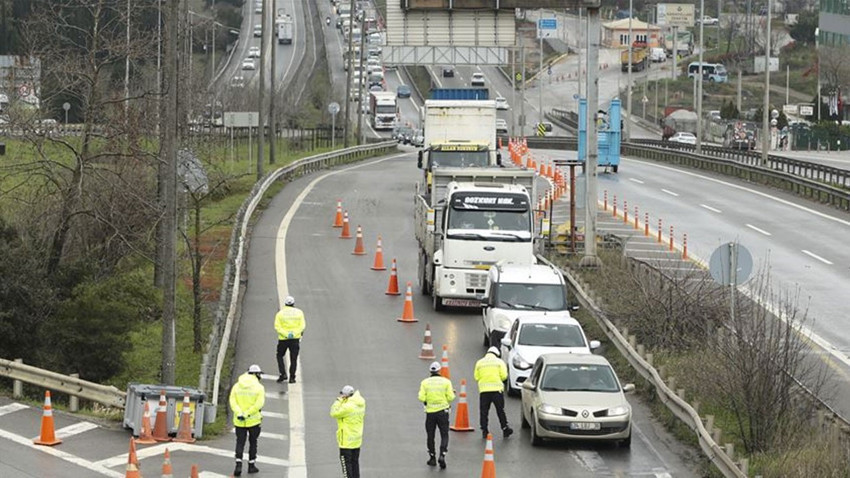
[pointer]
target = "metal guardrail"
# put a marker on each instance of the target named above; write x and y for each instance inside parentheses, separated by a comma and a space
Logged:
(76, 387)
(219, 340)
(678, 406)
(563, 118)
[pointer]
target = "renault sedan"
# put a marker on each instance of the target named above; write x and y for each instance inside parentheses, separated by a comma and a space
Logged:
(576, 397)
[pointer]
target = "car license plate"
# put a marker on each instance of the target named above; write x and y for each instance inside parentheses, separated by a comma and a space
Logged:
(584, 426)
(462, 302)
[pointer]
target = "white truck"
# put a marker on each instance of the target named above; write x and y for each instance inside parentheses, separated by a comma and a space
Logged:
(285, 30)
(459, 133)
(468, 219)
(383, 107)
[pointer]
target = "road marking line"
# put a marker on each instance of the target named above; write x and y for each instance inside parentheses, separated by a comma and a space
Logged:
(56, 452)
(636, 180)
(158, 450)
(75, 429)
(274, 415)
(265, 434)
(759, 230)
(11, 408)
(297, 445)
(815, 256)
(670, 192)
(718, 211)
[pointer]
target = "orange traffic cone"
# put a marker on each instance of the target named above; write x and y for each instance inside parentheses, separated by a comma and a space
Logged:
(338, 216)
(160, 426)
(488, 469)
(184, 432)
(462, 413)
(379, 257)
(407, 313)
(167, 472)
(145, 435)
(48, 433)
(346, 232)
(359, 250)
(427, 350)
(444, 370)
(194, 472)
(392, 287)
(132, 470)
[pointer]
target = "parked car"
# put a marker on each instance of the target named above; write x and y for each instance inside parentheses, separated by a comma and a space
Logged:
(576, 396)
(684, 138)
(501, 103)
(532, 336)
(418, 138)
(254, 52)
(249, 64)
(258, 30)
(448, 72)
(477, 79)
(403, 134)
(706, 20)
(403, 91)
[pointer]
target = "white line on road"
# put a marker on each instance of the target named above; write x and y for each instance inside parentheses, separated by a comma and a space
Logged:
(159, 450)
(265, 434)
(55, 452)
(274, 415)
(297, 445)
(635, 180)
(712, 209)
(762, 231)
(815, 256)
(670, 192)
(11, 408)
(75, 429)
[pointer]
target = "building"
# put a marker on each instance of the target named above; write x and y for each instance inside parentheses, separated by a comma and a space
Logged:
(20, 78)
(834, 22)
(616, 34)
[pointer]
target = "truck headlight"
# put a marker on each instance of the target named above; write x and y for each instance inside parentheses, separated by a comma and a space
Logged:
(551, 410)
(618, 411)
(519, 363)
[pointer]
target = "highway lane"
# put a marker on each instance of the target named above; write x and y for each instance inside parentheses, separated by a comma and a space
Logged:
(353, 338)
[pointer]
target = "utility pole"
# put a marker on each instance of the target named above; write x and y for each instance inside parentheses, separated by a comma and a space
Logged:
(590, 258)
(628, 121)
(765, 116)
(350, 61)
(127, 67)
(739, 91)
(699, 80)
(675, 52)
(160, 183)
(580, 36)
(168, 130)
(261, 96)
(513, 91)
(273, 99)
(522, 119)
(361, 83)
(817, 52)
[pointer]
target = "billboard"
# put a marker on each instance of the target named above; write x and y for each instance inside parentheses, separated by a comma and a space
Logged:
(758, 64)
(675, 14)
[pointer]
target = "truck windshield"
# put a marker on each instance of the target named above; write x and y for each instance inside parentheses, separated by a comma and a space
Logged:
(385, 109)
(464, 159)
(531, 296)
(505, 221)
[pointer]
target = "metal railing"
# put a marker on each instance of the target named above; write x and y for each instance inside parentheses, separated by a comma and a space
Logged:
(73, 386)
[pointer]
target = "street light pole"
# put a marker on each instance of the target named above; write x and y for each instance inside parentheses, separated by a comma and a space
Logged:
(628, 121)
(699, 80)
(817, 52)
(765, 116)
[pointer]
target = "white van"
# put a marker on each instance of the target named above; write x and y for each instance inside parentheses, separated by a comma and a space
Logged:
(657, 55)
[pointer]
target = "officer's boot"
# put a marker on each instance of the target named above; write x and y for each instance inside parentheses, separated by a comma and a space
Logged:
(507, 431)
(238, 470)
(252, 468)
(432, 461)
(442, 461)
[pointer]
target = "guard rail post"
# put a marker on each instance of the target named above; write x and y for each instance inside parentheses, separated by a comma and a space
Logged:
(74, 401)
(17, 385)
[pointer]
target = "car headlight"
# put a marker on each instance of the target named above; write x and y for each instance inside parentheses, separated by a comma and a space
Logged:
(519, 363)
(551, 410)
(618, 411)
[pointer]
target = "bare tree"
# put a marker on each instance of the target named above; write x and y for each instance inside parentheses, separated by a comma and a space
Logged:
(834, 69)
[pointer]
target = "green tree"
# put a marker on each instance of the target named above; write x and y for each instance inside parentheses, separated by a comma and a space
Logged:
(804, 30)
(729, 111)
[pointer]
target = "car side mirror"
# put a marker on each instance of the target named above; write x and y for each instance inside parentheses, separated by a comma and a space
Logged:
(629, 388)
(595, 344)
(529, 386)
(419, 160)
(506, 342)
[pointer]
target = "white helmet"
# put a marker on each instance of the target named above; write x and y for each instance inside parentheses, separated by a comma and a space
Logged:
(289, 301)
(347, 391)
(495, 351)
(435, 367)
(255, 369)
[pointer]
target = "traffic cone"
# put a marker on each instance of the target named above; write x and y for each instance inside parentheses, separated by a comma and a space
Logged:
(427, 350)
(167, 472)
(346, 232)
(132, 470)
(407, 313)
(338, 216)
(488, 468)
(145, 435)
(392, 287)
(462, 412)
(160, 426)
(359, 250)
(48, 433)
(184, 432)
(444, 370)
(194, 472)
(379, 257)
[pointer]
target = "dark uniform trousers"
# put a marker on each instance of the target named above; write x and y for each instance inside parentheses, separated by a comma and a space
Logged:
(439, 420)
(350, 459)
(294, 346)
(484, 401)
(252, 434)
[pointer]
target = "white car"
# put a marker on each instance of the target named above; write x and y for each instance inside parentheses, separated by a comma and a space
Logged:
(684, 138)
(501, 126)
(706, 20)
(477, 79)
(254, 52)
(258, 30)
(501, 103)
(531, 337)
(576, 396)
(249, 64)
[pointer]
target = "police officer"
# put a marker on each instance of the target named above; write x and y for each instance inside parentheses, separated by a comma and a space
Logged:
(289, 324)
(349, 409)
(490, 373)
(437, 395)
(247, 398)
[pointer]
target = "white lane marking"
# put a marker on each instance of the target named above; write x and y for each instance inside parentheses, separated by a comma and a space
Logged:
(762, 231)
(636, 180)
(57, 453)
(209, 474)
(274, 415)
(265, 434)
(815, 256)
(591, 460)
(643, 438)
(11, 408)
(670, 192)
(297, 445)
(75, 429)
(718, 211)
(159, 450)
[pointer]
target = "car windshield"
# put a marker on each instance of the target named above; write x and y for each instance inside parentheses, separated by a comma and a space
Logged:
(551, 335)
(531, 296)
(579, 378)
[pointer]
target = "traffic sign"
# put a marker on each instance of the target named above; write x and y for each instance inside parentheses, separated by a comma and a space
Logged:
(541, 130)
(728, 257)
(333, 108)
(547, 27)
(807, 110)
(24, 90)
(518, 76)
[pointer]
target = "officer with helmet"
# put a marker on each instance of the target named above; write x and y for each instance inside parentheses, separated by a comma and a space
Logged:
(289, 324)
(437, 394)
(491, 373)
(247, 398)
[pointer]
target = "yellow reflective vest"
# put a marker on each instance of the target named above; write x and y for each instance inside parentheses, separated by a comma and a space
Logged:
(247, 398)
(349, 413)
(490, 372)
(436, 393)
(289, 323)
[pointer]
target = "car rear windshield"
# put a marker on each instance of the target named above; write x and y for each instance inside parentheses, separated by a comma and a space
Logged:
(579, 378)
(551, 335)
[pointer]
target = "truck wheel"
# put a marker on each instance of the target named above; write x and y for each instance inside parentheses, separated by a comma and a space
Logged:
(424, 287)
(615, 167)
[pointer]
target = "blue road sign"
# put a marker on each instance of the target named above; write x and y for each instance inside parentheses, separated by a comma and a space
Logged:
(547, 24)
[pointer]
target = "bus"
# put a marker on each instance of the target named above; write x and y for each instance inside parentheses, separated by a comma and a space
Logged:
(713, 72)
